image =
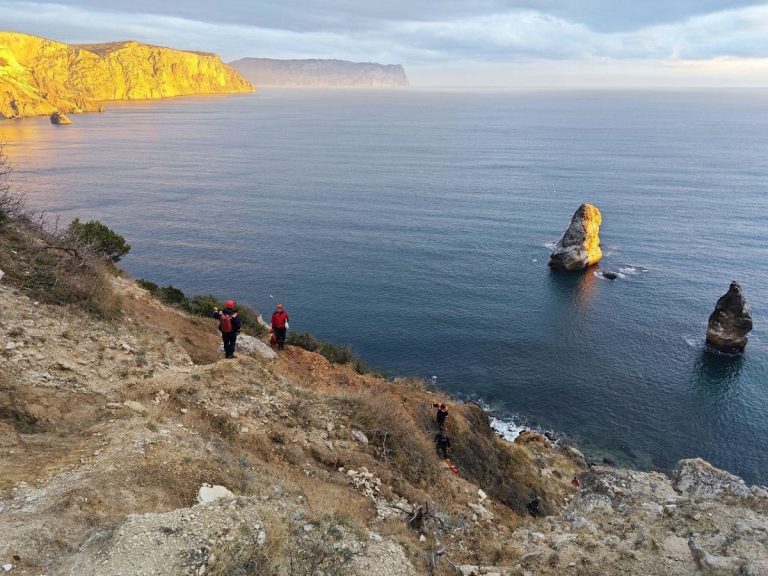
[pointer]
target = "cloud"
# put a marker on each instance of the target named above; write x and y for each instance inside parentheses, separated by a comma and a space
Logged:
(483, 35)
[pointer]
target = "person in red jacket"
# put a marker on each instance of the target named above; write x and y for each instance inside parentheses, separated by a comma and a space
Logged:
(229, 326)
(280, 325)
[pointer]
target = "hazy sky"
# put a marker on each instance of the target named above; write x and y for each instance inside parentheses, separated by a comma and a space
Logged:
(447, 42)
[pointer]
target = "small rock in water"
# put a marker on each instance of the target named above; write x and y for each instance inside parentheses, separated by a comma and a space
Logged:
(610, 275)
(59, 119)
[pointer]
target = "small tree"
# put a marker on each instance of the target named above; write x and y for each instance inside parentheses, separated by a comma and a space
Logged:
(102, 238)
(11, 200)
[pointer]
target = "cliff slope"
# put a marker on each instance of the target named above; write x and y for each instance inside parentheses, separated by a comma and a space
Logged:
(38, 75)
(268, 72)
(108, 428)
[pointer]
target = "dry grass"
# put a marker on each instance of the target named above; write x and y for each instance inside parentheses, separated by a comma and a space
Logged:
(396, 438)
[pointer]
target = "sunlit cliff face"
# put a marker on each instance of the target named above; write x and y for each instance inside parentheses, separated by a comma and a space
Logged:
(38, 76)
(592, 220)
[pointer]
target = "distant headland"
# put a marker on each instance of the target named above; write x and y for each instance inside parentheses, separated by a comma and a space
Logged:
(40, 76)
(320, 73)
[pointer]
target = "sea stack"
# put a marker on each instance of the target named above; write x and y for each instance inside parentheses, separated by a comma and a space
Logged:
(59, 119)
(579, 247)
(730, 323)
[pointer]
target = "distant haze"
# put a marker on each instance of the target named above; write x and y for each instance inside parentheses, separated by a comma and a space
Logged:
(517, 43)
(269, 72)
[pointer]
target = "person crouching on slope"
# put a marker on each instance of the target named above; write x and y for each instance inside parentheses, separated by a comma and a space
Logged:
(280, 325)
(442, 443)
(229, 325)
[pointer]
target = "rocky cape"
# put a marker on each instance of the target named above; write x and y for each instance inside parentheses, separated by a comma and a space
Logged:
(321, 73)
(129, 446)
(40, 76)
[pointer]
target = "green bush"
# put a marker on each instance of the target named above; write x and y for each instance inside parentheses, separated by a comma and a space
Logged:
(333, 353)
(303, 340)
(203, 305)
(102, 238)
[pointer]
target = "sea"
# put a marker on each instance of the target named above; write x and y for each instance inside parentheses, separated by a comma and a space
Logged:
(416, 225)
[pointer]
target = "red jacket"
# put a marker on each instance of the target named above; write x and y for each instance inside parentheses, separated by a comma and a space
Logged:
(279, 319)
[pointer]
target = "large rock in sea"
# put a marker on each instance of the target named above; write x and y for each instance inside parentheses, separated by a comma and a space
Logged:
(579, 246)
(731, 321)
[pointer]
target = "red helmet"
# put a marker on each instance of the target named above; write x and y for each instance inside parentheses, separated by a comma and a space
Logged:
(229, 304)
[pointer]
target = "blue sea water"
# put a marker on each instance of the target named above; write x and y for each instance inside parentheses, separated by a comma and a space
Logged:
(416, 226)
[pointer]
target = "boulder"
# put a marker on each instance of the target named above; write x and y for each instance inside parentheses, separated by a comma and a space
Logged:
(137, 407)
(730, 323)
(208, 493)
(59, 119)
(250, 345)
(700, 480)
(579, 247)
(531, 437)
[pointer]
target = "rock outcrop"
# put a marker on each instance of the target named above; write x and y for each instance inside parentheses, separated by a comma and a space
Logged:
(60, 119)
(579, 247)
(39, 76)
(268, 72)
(730, 323)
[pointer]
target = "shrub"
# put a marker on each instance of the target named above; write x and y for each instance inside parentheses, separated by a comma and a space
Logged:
(203, 305)
(102, 238)
(303, 340)
(324, 550)
(335, 354)
(11, 200)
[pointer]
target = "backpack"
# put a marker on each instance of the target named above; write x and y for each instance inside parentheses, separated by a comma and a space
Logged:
(225, 323)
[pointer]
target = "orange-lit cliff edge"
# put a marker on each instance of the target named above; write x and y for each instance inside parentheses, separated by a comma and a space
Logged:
(38, 76)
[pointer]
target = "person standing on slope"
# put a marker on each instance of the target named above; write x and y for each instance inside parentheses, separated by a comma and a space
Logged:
(229, 325)
(442, 414)
(280, 325)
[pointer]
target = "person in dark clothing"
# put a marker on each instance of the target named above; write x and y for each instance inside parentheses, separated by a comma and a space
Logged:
(442, 443)
(442, 414)
(534, 507)
(229, 325)
(280, 325)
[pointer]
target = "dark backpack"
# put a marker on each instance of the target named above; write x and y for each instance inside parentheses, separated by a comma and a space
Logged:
(225, 323)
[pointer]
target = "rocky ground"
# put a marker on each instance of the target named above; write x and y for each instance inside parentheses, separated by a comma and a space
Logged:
(108, 431)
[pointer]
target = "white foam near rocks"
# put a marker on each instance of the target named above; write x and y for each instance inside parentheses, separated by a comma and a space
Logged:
(507, 428)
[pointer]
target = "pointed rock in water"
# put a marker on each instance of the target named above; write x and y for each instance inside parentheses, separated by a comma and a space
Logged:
(579, 246)
(731, 321)
(60, 119)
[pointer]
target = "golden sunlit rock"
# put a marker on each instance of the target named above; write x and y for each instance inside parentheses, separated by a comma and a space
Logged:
(579, 246)
(39, 76)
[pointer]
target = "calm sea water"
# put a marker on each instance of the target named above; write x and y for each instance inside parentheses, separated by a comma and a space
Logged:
(415, 226)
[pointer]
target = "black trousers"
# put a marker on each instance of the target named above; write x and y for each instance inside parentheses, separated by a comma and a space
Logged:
(230, 340)
(280, 335)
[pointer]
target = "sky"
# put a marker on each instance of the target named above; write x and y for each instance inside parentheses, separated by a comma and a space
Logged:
(472, 43)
